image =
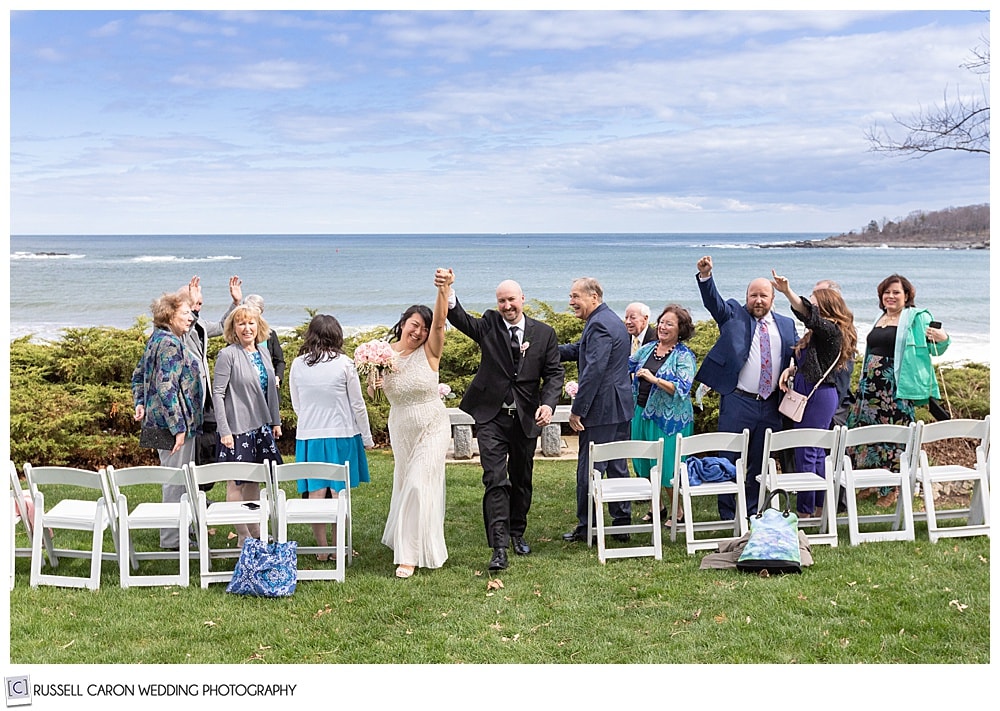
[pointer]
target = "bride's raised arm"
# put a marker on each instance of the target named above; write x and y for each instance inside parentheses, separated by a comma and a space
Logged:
(435, 339)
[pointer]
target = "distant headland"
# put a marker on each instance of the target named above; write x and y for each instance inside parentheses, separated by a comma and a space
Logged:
(952, 228)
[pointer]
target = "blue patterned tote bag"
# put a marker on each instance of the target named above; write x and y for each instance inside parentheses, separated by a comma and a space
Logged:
(774, 539)
(265, 569)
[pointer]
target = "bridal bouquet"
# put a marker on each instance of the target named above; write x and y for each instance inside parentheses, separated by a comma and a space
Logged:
(571, 389)
(374, 358)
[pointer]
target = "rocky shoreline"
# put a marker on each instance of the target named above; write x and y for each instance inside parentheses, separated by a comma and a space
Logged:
(968, 241)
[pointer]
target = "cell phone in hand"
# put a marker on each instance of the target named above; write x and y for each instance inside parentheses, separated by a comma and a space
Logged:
(935, 324)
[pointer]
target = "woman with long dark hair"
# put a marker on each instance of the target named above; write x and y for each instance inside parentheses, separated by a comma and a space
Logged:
(333, 422)
(829, 344)
(420, 433)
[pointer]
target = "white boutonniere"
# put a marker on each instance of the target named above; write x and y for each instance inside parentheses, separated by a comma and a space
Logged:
(524, 347)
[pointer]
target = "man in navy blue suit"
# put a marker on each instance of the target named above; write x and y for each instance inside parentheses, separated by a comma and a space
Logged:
(602, 409)
(743, 372)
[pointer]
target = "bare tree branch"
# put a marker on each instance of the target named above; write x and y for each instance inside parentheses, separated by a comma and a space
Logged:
(959, 124)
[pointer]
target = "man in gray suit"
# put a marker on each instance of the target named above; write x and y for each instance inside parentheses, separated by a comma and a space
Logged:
(602, 409)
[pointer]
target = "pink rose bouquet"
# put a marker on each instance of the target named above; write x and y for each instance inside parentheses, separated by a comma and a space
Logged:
(374, 358)
(571, 389)
(444, 391)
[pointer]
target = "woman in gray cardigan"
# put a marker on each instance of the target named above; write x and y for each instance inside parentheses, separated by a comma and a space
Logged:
(245, 396)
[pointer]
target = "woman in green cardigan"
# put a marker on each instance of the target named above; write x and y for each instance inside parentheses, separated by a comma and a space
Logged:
(897, 373)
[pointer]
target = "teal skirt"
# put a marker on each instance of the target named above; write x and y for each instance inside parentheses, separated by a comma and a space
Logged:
(647, 431)
(333, 450)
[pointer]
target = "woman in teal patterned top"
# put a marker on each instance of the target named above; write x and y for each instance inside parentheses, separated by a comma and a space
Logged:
(167, 391)
(663, 373)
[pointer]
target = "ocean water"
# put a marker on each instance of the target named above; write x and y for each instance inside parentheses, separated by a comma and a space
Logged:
(366, 280)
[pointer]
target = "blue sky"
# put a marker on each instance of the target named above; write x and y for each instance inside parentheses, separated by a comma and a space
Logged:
(415, 121)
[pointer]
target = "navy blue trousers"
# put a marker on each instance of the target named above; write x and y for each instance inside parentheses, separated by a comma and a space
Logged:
(736, 413)
(621, 511)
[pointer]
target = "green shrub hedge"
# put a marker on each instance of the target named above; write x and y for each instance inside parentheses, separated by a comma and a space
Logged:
(71, 404)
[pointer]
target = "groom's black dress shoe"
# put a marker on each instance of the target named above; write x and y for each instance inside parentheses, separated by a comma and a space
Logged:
(499, 559)
(519, 545)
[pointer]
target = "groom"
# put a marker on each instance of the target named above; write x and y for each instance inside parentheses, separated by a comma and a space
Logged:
(511, 397)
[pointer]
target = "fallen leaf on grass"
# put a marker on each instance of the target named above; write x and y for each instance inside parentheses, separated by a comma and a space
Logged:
(209, 623)
(957, 605)
(231, 536)
(494, 584)
(511, 639)
(211, 531)
(719, 619)
(852, 583)
(802, 597)
(68, 644)
(324, 611)
(255, 657)
(844, 642)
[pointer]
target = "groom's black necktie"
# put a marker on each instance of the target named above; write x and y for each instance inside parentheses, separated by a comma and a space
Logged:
(515, 348)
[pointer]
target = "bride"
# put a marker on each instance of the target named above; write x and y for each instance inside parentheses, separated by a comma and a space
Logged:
(420, 433)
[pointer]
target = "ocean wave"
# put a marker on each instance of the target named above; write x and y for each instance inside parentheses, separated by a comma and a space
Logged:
(45, 255)
(146, 258)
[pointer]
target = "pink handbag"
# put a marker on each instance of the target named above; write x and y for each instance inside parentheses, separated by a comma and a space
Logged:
(793, 404)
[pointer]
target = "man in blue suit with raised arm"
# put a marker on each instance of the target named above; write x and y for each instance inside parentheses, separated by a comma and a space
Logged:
(743, 366)
(602, 409)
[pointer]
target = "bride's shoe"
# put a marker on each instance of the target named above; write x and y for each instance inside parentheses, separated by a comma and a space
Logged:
(404, 571)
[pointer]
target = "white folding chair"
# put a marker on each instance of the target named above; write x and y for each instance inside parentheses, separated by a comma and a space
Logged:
(794, 481)
(977, 515)
(321, 511)
(851, 479)
(225, 513)
(630, 488)
(18, 514)
(709, 444)
(94, 515)
(150, 515)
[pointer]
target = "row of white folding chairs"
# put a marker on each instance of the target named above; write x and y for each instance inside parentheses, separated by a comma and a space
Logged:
(603, 490)
(275, 513)
(840, 474)
(109, 509)
(913, 471)
(81, 514)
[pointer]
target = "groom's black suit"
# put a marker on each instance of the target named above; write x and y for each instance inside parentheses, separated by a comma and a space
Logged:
(507, 439)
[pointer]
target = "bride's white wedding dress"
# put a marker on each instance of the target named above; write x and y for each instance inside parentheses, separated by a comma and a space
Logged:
(420, 433)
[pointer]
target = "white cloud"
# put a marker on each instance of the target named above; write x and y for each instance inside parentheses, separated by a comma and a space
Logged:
(495, 121)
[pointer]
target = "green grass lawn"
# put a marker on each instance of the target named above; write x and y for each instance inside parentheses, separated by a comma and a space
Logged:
(880, 603)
